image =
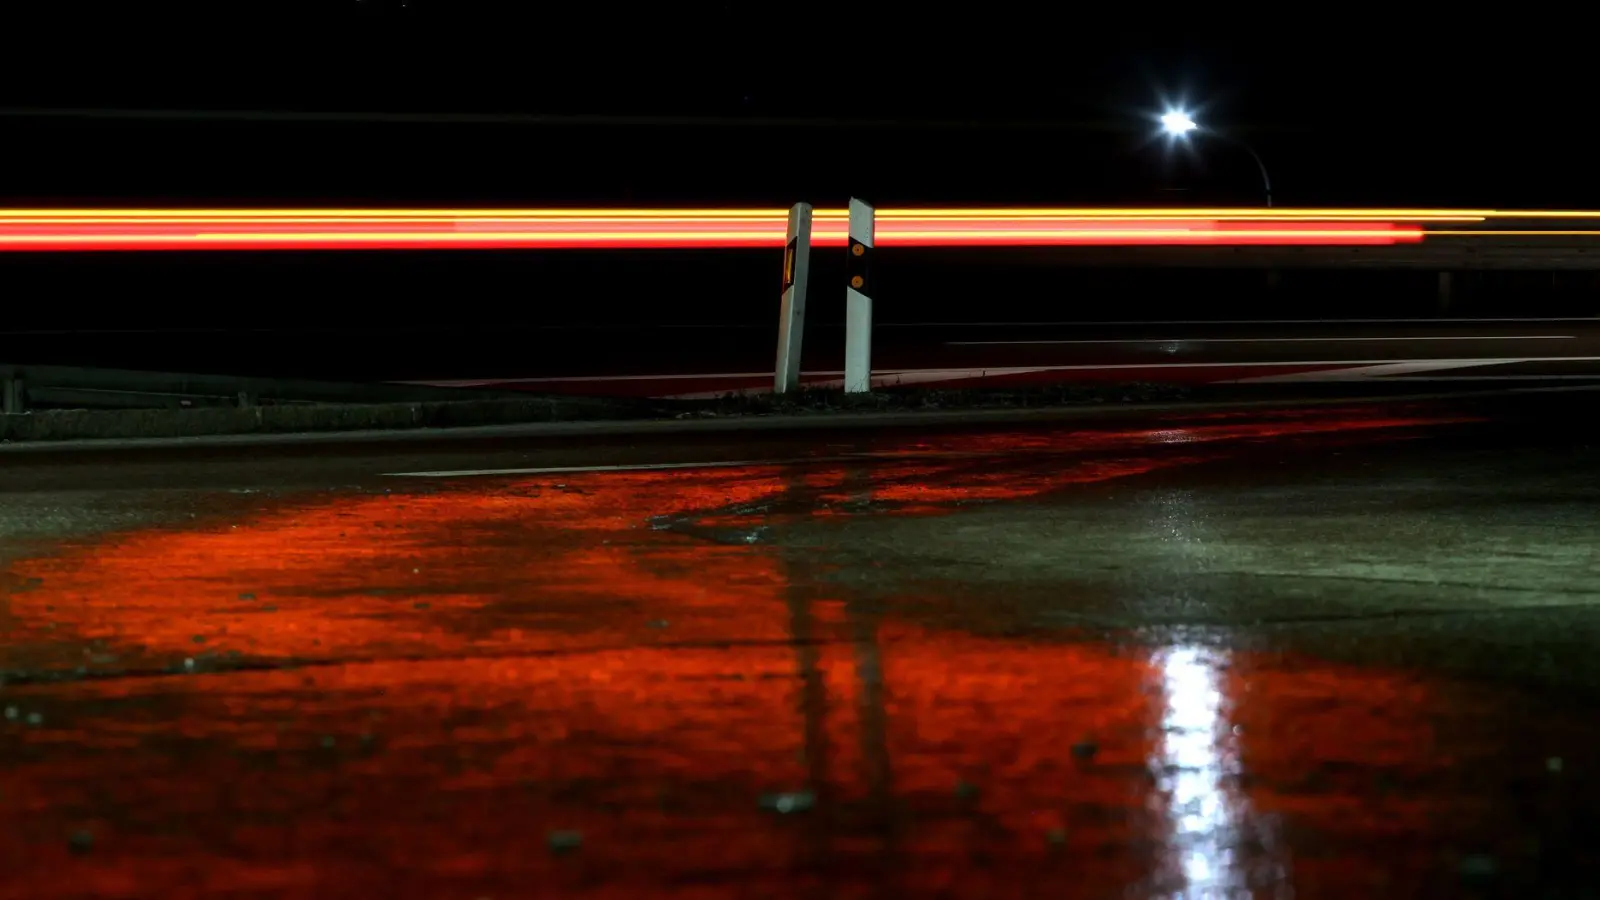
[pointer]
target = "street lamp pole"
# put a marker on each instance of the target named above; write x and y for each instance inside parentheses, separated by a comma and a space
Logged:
(1266, 180)
(1180, 125)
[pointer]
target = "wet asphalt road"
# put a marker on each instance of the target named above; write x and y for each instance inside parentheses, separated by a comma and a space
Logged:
(1333, 652)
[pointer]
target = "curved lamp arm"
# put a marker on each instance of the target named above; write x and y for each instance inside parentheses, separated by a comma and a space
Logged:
(1266, 180)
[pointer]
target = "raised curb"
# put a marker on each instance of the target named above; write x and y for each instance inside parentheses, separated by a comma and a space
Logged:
(476, 421)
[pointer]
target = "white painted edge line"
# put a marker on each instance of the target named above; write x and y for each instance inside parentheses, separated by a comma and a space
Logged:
(1001, 370)
(1073, 324)
(1385, 371)
(1270, 340)
(1090, 324)
(1594, 377)
(472, 382)
(638, 467)
(866, 456)
(862, 457)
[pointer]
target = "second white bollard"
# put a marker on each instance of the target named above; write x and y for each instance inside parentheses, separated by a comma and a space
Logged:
(858, 301)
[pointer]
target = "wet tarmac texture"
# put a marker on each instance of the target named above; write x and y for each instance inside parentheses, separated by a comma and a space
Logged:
(1334, 652)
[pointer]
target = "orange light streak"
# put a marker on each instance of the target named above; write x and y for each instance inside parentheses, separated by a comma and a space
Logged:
(96, 232)
(779, 215)
(94, 229)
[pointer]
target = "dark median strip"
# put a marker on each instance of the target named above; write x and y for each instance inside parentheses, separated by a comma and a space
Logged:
(827, 407)
(92, 424)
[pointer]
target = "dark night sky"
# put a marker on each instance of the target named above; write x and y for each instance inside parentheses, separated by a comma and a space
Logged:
(738, 103)
(771, 102)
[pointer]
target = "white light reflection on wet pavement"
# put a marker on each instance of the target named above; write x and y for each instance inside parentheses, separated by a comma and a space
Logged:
(1197, 765)
(1197, 769)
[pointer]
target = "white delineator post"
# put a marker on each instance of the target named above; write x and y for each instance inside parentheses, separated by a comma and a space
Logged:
(792, 312)
(858, 301)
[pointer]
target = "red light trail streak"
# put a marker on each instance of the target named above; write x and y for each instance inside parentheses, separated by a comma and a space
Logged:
(65, 230)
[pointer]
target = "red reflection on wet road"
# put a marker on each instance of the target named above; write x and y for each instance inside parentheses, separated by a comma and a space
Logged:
(446, 776)
(481, 667)
(390, 574)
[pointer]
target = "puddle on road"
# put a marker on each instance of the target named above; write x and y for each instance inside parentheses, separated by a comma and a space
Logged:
(601, 686)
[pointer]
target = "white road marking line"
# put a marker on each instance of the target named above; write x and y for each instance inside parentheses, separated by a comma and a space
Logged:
(1366, 373)
(888, 377)
(1594, 377)
(641, 467)
(971, 372)
(1081, 324)
(879, 380)
(867, 456)
(974, 371)
(1271, 340)
(477, 382)
(750, 326)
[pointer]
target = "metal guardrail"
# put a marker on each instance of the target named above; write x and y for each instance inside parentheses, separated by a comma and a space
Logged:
(25, 387)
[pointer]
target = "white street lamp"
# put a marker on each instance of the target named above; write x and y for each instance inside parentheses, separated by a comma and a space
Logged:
(1177, 124)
